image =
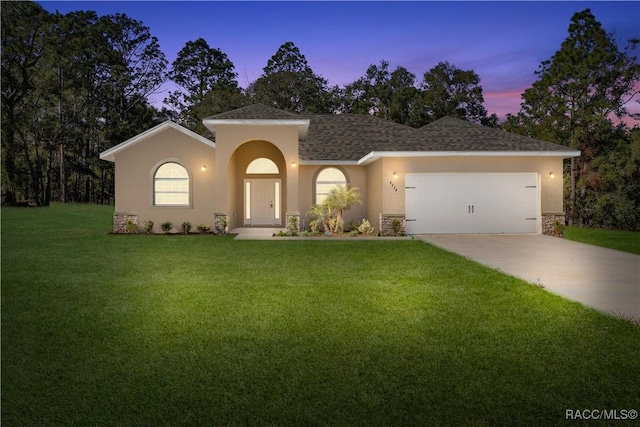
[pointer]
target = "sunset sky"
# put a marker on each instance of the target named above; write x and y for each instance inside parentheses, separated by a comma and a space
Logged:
(503, 42)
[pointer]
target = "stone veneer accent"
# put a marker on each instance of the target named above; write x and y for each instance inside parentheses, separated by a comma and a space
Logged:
(385, 224)
(217, 228)
(288, 215)
(547, 224)
(120, 220)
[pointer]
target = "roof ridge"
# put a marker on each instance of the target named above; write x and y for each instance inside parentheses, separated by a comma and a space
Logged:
(455, 134)
(255, 111)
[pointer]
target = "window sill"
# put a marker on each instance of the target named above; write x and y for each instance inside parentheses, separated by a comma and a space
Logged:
(171, 207)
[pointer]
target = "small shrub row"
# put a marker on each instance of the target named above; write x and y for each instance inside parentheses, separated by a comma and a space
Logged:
(364, 228)
(166, 227)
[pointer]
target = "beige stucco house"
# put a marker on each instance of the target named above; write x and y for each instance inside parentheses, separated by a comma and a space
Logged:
(265, 165)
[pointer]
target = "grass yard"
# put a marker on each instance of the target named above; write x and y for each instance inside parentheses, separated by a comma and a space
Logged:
(120, 330)
(627, 241)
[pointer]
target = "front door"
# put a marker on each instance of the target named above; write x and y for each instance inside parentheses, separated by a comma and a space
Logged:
(262, 202)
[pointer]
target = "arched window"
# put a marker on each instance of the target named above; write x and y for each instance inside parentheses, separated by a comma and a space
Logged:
(326, 180)
(262, 165)
(171, 185)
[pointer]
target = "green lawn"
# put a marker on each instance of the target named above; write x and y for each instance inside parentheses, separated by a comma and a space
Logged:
(627, 241)
(119, 330)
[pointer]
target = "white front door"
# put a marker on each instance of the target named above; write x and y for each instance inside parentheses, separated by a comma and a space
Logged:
(262, 202)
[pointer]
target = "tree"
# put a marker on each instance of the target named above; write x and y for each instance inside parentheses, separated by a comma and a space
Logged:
(405, 96)
(136, 68)
(330, 212)
(614, 180)
(339, 200)
(217, 100)
(289, 83)
(384, 94)
(201, 72)
(450, 91)
(72, 86)
(24, 26)
(586, 84)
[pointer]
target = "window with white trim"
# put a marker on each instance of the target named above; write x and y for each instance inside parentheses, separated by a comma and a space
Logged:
(328, 179)
(171, 185)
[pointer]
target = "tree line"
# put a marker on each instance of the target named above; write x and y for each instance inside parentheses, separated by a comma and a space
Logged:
(74, 85)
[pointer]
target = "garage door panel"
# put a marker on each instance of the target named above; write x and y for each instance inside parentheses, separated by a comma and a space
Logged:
(472, 203)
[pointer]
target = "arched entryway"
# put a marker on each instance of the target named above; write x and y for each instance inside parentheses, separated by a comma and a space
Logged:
(260, 184)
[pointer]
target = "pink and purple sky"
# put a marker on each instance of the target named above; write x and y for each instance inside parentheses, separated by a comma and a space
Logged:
(503, 42)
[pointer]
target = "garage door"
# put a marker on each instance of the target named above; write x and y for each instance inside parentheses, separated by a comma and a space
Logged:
(472, 203)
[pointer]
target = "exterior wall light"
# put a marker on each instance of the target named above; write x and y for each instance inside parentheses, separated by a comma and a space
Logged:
(395, 175)
(203, 168)
(552, 175)
(293, 164)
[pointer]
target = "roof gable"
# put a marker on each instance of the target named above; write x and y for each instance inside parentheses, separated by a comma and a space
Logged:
(110, 154)
(348, 137)
(258, 114)
(255, 112)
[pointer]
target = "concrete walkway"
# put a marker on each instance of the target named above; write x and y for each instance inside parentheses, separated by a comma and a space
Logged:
(248, 233)
(605, 279)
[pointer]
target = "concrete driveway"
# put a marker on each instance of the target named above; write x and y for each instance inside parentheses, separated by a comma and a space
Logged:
(605, 279)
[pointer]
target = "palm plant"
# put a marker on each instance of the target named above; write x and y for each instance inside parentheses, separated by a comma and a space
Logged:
(318, 215)
(339, 200)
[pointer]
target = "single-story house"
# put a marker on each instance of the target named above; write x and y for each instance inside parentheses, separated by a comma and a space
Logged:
(264, 165)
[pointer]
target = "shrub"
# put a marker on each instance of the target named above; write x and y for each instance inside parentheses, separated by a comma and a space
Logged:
(148, 226)
(366, 228)
(395, 226)
(353, 233)
(317, 215)
(166, 227)
(292, 226)
(314, 226)
(130, 227)
(186, 227)
(203, 228)
(558, 227)
(223, 222)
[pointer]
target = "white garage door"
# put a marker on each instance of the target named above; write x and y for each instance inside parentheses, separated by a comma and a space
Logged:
(472, 203)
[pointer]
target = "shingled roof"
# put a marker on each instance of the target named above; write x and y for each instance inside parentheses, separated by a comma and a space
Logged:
(255, 112)
(352, 136)
(450, 134)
